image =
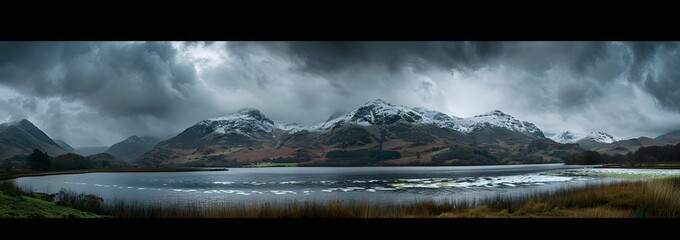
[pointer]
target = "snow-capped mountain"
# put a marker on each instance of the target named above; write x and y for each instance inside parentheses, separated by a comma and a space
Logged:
(376, 112)
(499, 119)
(379, 112)
(567, 137)
(601, 137)
(586, 141)
(571, 137)
(249, 135)
(249, 122)
(246, 121)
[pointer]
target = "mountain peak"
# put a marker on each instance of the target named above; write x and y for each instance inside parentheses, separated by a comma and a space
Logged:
(132, 147)
(248, 111)
(567, 137)
(493, 113)
(602, 137)
(243, 113)
(247, 119)
(21, 122)
(19, 136)
(133, 138)
(496, 118)
(377, 101)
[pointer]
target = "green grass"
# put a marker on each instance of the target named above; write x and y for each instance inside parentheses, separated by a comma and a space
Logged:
(443, 150)
(33, 207)
(271, 164)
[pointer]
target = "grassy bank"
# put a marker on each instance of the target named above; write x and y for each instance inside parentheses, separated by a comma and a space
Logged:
(14, 203)
(653, 198)
(658, 165)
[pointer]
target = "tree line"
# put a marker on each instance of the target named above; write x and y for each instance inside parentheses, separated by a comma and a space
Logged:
(40, 161)
(651, 154)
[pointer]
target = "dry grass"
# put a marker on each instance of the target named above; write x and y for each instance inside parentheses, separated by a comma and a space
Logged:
(654, 198)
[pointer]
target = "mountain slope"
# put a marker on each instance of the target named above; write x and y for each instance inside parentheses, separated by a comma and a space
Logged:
(630, 145)
(377, 126)
(64, 145)
(671, 137)
(21, 137)
(132, 147)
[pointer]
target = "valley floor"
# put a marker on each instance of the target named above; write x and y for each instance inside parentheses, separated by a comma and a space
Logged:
(650, 198)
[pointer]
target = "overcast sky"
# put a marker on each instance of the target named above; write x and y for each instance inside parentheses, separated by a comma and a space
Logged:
(99, 93)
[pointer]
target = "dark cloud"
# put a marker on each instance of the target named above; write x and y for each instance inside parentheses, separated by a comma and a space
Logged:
(664, 80)
(117, 80)
(325, 57)
(109, 90)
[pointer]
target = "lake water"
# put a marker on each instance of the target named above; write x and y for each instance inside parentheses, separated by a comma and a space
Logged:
(381, 184)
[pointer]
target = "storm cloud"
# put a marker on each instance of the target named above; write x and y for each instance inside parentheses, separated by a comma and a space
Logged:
(84, 92)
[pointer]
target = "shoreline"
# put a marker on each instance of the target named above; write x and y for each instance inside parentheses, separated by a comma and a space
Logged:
(672, 165)
(203, 169)
(122, 170)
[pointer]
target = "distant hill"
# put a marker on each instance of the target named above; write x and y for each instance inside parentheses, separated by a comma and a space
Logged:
(73, 161)
(90, 150)
(633, 144)
(132, 147)
(671, 137)
(630, 145)
(21, 137)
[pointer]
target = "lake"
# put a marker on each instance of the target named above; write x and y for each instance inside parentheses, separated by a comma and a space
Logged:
(377, 184)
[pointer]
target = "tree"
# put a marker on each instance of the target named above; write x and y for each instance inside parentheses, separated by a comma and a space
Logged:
(8, 165)
(38, 161)
(418, 155)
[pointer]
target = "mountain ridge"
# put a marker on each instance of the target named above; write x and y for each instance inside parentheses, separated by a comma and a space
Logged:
(248, 135)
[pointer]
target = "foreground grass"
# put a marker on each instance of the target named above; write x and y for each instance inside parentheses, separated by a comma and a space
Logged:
(15, 203)
(654, 198)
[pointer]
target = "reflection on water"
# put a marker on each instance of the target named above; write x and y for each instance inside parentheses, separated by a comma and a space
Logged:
(384, 184)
